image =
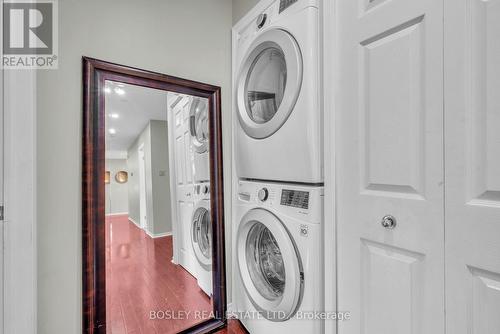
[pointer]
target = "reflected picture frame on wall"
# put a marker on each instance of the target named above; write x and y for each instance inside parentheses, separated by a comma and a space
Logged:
(121, 177)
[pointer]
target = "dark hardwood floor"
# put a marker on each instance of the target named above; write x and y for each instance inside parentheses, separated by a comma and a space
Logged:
(233, 327)
(140, 279)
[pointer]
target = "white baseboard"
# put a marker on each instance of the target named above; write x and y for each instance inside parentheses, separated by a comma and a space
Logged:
(158, 235)
(230, 307)
(117, 214)
(152, 235)
(134, 222)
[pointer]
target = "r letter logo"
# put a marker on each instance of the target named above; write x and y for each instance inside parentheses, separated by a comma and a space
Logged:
(29, 34)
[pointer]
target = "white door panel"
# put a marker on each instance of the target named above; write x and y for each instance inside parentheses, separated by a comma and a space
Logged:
(188, 151)
(183, 156)
(390, 276)
(472, 84)
(186, 253)
(179, 163)
(390, 162)
(143, 220)
(391, 111)
(2, 132)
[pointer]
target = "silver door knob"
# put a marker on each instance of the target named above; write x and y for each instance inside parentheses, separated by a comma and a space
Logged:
(389, 222)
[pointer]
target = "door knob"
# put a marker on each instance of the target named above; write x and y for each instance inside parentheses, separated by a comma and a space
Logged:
(389, 222)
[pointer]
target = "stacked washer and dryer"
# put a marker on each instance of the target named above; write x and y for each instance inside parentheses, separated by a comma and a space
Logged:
(200, 227)
(278, 154)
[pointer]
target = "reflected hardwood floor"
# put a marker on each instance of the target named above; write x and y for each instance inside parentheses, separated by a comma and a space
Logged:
(233, 327)
(141, 278)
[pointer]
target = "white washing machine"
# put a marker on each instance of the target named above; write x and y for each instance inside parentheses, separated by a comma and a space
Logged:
(198, 129)
(201, 237)
(278, 257)
(278, 135)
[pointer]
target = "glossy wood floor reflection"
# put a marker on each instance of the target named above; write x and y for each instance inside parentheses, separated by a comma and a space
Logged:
(233, 327)
(140, 278)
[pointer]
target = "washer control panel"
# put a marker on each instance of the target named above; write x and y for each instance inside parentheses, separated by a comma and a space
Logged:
(202, 189)
(301, 201)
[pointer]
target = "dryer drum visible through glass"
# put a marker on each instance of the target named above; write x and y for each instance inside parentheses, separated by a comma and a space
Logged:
(269, 83)
(198, 124)
(201, 236)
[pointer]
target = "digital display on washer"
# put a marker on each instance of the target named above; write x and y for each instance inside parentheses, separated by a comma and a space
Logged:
(295, 198)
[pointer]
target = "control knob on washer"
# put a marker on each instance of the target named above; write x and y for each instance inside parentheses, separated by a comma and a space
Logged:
(261, 20)
(263, 194)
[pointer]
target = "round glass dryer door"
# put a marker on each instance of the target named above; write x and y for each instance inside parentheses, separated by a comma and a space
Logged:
(201, 235)
(198, 124)
(269, 265)
(269, 83)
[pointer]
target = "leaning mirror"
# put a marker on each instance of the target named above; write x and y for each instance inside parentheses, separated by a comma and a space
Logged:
(153, 236)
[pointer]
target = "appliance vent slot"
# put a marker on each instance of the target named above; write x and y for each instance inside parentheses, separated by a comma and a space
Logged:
(284, 4)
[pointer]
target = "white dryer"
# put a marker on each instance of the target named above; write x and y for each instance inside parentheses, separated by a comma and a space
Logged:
(278, 135)
(278, 257)
(198, 129)
(201, 238)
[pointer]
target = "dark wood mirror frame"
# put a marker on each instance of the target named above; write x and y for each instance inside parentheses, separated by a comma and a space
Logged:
(95, 72)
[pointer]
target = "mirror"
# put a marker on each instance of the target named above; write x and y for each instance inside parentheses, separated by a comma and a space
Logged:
(153, 239)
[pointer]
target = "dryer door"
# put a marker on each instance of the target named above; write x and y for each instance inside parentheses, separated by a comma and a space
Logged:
(201, 234)
(268, 83)
(269, 265)
(198, 124)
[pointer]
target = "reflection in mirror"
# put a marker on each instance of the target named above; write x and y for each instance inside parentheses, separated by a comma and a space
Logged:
(158, 222)
(121, 177)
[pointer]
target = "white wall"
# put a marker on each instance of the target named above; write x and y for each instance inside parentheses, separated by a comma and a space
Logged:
(160, 176)
(134, 212)
(188, 38)
(159, 216)
(116, 193)
(241, 7)
(20, 230)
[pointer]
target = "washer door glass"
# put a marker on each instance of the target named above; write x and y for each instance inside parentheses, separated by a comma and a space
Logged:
(269, 265)
(198, 123)
(268, 83)
(202, 235)
(265, 262)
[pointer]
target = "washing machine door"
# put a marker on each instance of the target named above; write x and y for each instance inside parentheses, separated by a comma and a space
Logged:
(268, 83)
(201, 234)
(198, 124)
(270, 265)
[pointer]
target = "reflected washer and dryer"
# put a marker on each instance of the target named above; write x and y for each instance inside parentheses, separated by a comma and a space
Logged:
(201, 237)
(278, 274)
(198, 129)
(277, 91)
